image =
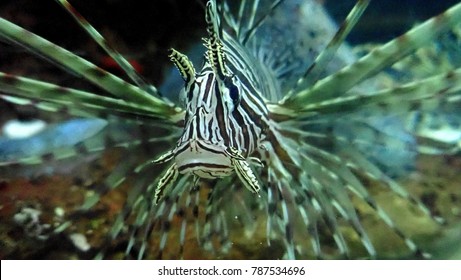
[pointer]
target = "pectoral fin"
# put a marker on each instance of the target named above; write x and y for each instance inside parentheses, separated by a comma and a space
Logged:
(243, 170)
(167, 180)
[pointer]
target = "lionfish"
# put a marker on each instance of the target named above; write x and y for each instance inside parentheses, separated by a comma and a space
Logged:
(268, 135)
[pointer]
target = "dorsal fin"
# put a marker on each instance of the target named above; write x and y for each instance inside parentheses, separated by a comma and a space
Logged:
(184, 65)
(215, 53)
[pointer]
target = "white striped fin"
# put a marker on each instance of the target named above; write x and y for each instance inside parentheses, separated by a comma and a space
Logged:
(440, 85)
(86, 101)
(377, 60)
(107, 81)
(320, 63)
(98, 38)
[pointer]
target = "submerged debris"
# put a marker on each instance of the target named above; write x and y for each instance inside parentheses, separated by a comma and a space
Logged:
(80, 242)
(29, 219)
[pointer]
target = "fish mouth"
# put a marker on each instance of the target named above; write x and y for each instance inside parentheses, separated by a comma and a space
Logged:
(203, 159)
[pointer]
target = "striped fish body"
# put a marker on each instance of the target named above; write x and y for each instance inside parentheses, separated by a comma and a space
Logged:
(217, 118)
(226, 117)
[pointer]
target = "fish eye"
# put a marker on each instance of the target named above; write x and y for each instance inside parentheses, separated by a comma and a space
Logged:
(234, 92)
